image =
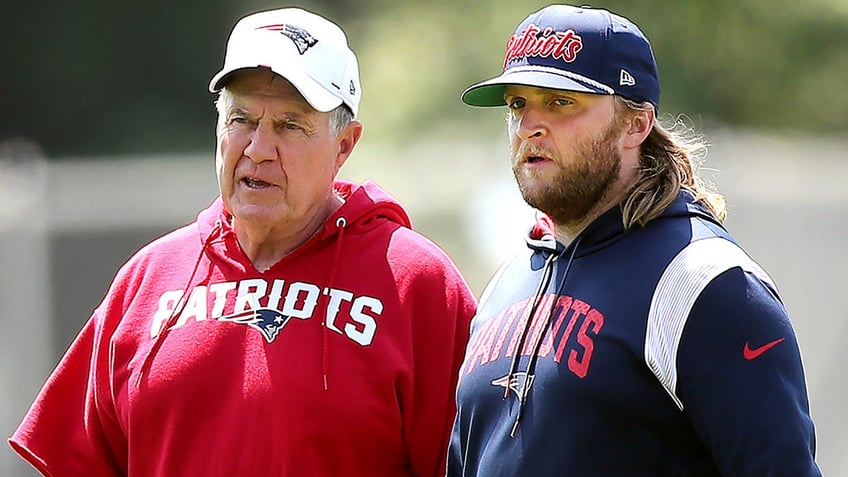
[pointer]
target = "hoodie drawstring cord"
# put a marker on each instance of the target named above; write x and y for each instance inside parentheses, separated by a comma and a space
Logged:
(537, 296)
(165, 328)
(531, 365)
(341, 222)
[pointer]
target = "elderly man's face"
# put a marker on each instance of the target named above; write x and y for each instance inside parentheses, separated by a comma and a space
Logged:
(276, 156)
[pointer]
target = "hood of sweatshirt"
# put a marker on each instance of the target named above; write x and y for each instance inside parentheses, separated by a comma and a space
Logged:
(608, 228)
(363, 205)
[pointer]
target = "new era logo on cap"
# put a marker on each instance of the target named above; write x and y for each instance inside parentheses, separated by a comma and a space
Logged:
(574, 49)
(306, 49)
(626, 79)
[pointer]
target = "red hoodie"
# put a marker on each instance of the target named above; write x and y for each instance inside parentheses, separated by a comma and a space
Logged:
(341, 360)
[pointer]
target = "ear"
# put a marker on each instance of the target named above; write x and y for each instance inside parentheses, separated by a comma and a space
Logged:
(641, 124)
(347, 140)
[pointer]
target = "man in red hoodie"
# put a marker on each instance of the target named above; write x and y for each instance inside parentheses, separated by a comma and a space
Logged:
(298, 327)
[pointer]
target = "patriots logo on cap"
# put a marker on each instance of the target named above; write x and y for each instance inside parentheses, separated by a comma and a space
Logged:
(301, 38)
(543, 43)
(268, 321)
(515, 383)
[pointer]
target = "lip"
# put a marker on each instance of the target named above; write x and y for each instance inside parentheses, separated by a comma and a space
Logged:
(254, 183)
(534, 161)
(534, 154)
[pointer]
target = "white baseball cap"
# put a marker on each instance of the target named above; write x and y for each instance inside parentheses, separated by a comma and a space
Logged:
(308, 50)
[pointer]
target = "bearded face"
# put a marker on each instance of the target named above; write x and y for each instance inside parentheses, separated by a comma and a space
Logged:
(574, 178)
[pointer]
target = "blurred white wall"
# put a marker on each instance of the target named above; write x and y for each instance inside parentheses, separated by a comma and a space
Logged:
(70, 224)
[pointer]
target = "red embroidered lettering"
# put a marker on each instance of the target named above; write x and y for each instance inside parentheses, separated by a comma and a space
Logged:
(531, 41)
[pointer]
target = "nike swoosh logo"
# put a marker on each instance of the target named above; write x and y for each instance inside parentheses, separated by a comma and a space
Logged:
(750, 354)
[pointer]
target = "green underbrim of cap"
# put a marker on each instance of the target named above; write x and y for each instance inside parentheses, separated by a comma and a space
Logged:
(485, 95)
(491, 92)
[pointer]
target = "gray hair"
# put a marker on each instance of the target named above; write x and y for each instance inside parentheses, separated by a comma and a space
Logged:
(669, 161)
(338, 119)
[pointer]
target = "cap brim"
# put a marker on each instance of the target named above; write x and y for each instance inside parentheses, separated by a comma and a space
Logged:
(314, 93)
(491, 92)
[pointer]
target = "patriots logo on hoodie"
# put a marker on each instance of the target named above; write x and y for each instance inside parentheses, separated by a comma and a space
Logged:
(516, 382)
(268, 321)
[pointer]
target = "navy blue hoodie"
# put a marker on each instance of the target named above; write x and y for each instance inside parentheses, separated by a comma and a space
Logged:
(656, 351)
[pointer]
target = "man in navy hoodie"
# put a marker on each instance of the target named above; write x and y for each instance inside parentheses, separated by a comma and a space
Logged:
(634, 337)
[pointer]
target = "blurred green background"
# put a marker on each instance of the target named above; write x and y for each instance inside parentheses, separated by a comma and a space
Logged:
(107, 141)
(127, 78)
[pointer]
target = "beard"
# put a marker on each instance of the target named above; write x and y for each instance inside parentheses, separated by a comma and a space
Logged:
(583, 179)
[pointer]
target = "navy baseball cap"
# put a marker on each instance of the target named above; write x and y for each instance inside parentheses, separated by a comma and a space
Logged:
(582, 49)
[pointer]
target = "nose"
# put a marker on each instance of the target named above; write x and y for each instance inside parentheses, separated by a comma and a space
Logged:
(262, 146)
(530, 124)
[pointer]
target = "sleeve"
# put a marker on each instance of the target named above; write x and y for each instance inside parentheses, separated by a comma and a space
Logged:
(61, 434)
(442, 307)
(741, 380)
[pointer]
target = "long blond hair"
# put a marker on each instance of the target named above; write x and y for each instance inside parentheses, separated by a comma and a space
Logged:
(670, 161)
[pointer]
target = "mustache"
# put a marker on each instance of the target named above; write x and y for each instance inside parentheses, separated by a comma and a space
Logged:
(529, 149)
